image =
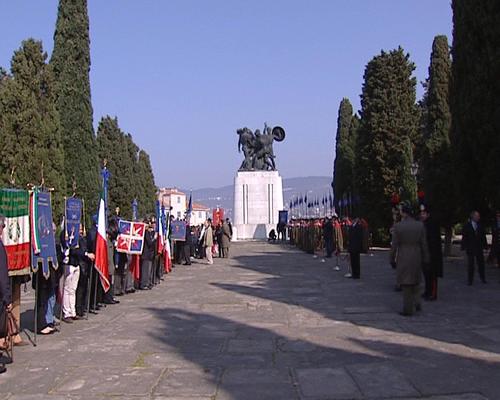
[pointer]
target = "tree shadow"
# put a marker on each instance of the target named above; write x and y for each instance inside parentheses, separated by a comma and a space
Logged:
(463, 315)
(208, 356)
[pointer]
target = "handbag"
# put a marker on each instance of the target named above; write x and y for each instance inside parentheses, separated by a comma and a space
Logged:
(12, 325)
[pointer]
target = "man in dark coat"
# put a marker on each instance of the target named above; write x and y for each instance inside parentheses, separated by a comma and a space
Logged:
(434, 269)
(355, 247)
(148, 254)
(474, 243)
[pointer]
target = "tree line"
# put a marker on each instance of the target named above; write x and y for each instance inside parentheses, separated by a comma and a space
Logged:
(444, 147)
(46, 124)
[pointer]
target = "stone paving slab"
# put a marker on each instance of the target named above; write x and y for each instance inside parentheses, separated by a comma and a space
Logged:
(327, 383)
(272, 323)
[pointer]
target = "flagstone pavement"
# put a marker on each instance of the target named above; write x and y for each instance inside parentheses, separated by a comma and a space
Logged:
(273, 323)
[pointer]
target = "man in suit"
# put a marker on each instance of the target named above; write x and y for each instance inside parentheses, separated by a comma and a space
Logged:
(409, 252)
(5, 293)
(434, 269)
(474, 243)
(355, 247)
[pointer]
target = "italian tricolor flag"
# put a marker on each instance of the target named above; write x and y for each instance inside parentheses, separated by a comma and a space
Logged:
(101, 247)
(14, 205)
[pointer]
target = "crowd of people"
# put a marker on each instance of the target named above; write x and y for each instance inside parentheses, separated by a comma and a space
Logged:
(416, 248)
(79, 290)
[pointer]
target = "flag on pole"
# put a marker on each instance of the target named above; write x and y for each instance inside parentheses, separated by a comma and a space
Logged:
(101, 246)
(159, 229)
(14, 205)
(189, 209)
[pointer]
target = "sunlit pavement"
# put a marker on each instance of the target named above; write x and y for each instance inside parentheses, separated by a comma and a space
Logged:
(273, 323)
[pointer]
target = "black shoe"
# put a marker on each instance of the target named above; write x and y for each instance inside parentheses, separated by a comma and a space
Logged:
(484, 281)
(405, 314)
(130, 291)
(67, 320)
(2, 368)
(418, 307)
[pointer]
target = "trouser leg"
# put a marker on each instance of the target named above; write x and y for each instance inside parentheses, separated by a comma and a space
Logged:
(480, 265)
(470, 268)
(355, 265)
(81, 293)
(208, 254)
(408, 299)
(69, 292)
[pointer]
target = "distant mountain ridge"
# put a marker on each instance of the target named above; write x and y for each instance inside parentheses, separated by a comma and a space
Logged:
(313, 186)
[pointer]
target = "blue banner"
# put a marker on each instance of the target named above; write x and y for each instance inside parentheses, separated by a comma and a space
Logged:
(73, 220)
(283, 217)
(44, 231)
(178, 230)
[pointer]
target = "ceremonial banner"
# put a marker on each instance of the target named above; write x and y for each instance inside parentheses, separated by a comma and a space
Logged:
(43, 245)
(283, 217)
(217, 216)
(73, 213)
(101, 247)
(159, 229)
(14, 205)
(178, 230)
(130, 237)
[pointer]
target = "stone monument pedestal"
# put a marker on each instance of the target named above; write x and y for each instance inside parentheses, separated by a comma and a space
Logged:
(258, 198)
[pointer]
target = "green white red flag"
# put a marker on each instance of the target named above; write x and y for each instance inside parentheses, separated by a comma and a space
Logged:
(14, 205)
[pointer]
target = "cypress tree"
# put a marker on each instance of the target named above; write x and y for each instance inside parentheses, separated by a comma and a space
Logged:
(436, 158)
(113, 148)
(149, 189)
(29, 122)
(384, 150)
(71, 64)
(343, 172)
(474, 104)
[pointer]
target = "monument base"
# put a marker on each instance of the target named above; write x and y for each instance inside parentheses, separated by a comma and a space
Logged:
(258, 198)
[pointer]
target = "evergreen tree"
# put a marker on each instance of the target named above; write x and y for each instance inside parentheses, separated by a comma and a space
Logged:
(31, 137)
(71, 65)
(112, 147)
(343, 172)
(436, 160)
(149, 189)
(384, 150)
(474, 103)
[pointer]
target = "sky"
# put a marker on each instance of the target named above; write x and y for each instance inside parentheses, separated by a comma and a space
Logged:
(183, 75)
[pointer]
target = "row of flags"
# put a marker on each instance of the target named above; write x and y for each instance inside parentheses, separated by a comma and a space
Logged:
(326, 200)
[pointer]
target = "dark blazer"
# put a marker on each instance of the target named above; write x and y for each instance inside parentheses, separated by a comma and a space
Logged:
(76, 255)
(5, 293)
(435, 249)
(473, 241)
(356, 238)
(148, 251)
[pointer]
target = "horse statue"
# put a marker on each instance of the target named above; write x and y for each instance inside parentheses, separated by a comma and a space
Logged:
(258, 148)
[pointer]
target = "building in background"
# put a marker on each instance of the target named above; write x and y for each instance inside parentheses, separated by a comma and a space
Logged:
(200, 214)
(174, 198)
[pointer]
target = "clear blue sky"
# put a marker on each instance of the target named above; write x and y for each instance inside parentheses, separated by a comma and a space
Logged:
(183, 75)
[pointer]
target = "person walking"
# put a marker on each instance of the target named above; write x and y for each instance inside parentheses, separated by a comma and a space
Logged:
(474, 243)
(208, 241)
(409, 252)
(434, 269)
(355, 247)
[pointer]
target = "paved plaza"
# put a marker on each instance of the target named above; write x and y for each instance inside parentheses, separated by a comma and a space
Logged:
(273, 323)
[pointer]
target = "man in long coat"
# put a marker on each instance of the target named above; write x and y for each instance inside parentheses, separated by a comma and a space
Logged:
(434, 269)
(409, 251)
(225, 241)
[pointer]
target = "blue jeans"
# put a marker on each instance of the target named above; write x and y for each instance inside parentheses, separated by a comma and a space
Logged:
(51, 303)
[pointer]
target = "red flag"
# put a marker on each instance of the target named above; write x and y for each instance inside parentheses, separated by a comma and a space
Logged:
(101, 248)
(135, 266)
